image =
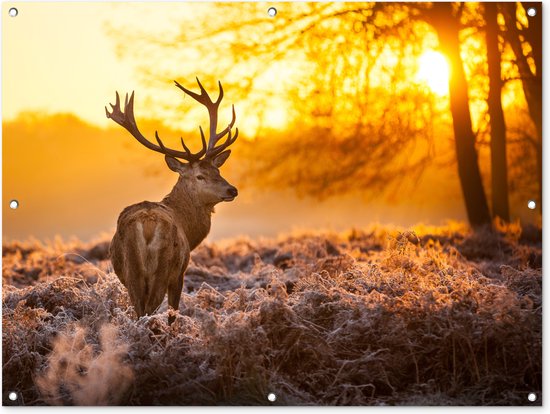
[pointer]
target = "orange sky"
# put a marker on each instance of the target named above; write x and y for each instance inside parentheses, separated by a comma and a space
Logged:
(59, 58)
(54, 57)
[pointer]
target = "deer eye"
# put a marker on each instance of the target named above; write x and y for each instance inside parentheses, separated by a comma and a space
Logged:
(200, 177)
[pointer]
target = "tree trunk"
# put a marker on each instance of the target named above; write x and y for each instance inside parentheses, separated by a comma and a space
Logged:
(447, 27)
(531, 81)
(499, 169)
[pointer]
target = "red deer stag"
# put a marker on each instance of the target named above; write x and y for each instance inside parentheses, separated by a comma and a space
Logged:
(150, 249)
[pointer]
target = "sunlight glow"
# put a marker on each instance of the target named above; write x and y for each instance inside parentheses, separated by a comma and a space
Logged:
(276, 118)
(433, 70)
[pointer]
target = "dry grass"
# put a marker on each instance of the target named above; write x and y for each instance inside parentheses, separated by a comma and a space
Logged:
(434, 316)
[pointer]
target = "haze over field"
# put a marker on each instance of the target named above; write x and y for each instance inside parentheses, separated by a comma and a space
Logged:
(63, 194)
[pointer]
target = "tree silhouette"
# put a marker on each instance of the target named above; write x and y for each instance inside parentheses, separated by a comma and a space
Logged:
(499, 171)
(445, 18)
(525, 39)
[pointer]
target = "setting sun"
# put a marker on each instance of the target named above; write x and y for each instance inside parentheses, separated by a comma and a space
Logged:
(433, 69)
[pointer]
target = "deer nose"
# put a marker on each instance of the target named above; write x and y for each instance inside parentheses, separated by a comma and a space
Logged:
(232, 192)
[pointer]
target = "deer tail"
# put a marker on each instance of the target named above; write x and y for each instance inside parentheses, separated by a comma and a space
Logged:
(148, 247)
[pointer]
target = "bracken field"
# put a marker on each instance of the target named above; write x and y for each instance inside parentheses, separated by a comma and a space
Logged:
(380, 316)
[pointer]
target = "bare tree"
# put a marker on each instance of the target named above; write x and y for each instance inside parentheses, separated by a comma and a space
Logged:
(499, 167)
(445, 18)
(525, 39)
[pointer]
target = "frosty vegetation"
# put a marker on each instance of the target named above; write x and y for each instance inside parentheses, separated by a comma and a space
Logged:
(434, 316)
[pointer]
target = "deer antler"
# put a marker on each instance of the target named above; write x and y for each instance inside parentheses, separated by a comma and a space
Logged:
(212, 107)
(127, 120)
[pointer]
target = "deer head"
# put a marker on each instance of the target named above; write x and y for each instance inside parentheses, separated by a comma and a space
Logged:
(200, 170)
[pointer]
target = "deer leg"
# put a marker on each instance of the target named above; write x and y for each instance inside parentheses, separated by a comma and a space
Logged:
(156, 292)
(136, 292)
(174, 294)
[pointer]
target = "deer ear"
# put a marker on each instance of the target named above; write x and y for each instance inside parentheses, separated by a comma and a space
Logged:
(174, 164)
(221, 158)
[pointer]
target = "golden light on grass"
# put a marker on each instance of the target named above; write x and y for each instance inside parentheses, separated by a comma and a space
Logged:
(433, 70)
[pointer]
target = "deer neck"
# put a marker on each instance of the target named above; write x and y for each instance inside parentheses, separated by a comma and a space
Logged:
(190, 215)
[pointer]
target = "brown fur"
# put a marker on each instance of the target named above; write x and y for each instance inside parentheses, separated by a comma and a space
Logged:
(151, 247)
